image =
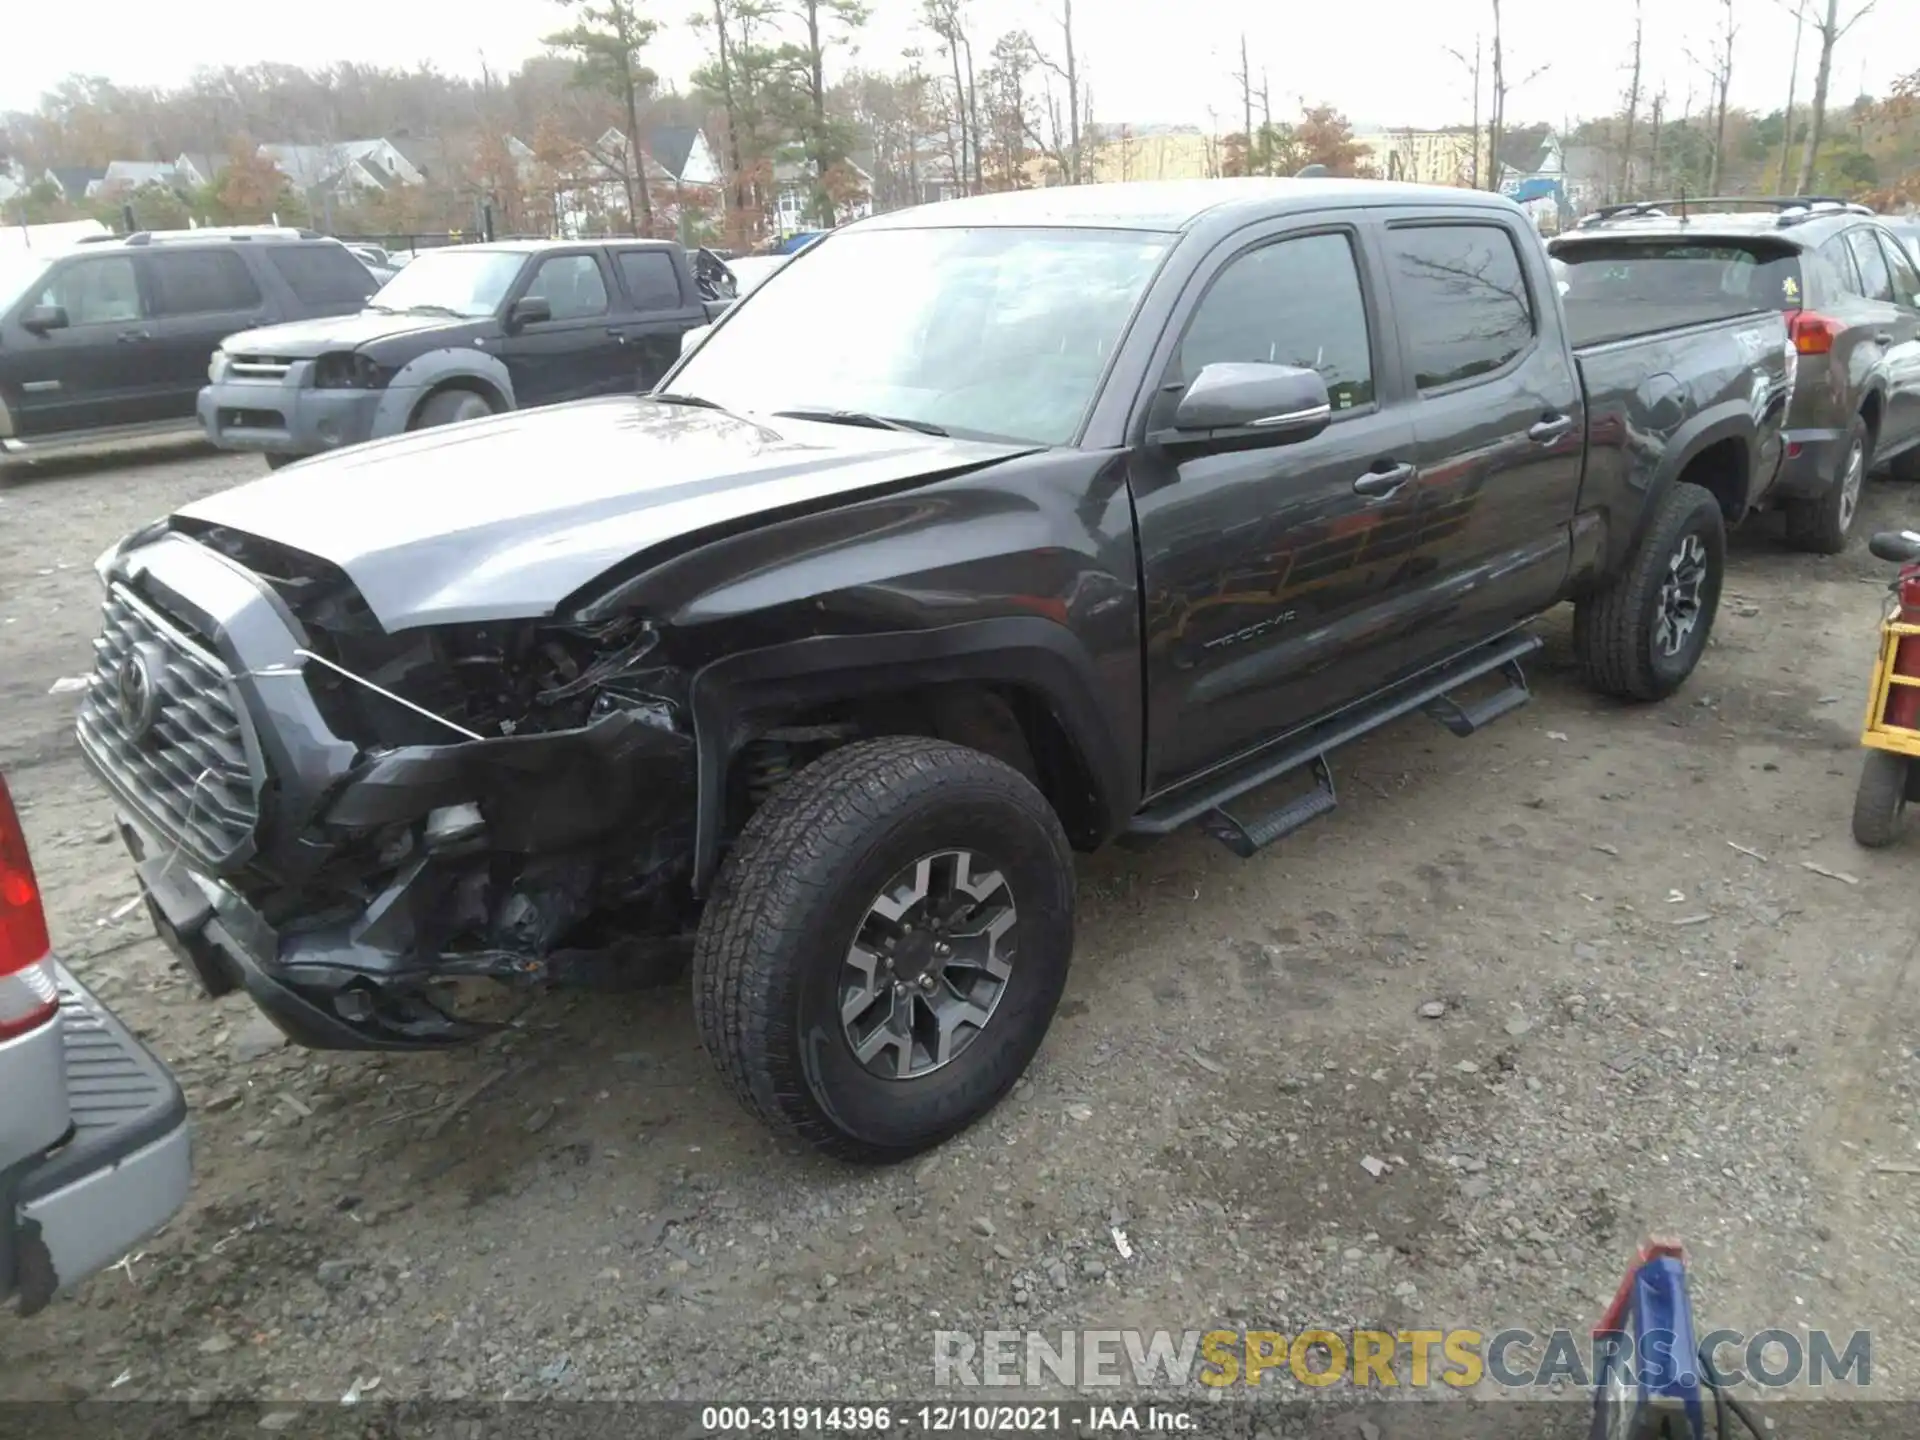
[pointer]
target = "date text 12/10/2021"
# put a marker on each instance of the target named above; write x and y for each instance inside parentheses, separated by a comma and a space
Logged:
(942, 1419)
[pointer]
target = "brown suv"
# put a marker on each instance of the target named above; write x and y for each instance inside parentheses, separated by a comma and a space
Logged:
(1851, 294)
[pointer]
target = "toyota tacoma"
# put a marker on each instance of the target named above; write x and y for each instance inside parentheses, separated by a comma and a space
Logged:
(979, 534)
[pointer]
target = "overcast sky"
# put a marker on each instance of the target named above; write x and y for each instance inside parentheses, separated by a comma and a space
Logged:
(1384, 63)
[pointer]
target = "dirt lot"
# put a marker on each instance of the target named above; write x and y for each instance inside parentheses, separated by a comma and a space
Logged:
(1645, 1028)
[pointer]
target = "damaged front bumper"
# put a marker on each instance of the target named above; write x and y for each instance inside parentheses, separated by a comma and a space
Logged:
(342, 887)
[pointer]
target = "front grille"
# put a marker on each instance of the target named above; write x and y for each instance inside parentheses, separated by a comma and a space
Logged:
(181, 758)
(258, 367)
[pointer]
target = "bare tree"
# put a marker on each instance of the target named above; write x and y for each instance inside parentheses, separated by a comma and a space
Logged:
(1245, 77)
(1502, 89)
(1831, 29)
(1069, 140)
(1722, 79)
(947, 20)
(1653, 150)
(1472, 67)
(1633, 108)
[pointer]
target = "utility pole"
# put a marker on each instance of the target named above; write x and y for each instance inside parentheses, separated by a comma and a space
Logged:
(1653, 159)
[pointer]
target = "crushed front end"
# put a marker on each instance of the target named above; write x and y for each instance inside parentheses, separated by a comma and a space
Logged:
(344, 822)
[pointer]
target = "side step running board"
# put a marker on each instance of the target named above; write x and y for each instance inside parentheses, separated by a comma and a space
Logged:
(1431, 691)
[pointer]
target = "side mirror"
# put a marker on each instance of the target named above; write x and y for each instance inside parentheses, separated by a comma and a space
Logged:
(529, 310)
(1282, 402)
(42, 318)
(690, 339)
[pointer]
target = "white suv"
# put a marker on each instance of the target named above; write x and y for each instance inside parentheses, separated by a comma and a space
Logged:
(93, 1129)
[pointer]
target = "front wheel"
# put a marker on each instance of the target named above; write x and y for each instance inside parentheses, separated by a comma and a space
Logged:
(1880, 804)
(449, 407)
(1640, 637)
(886, 946)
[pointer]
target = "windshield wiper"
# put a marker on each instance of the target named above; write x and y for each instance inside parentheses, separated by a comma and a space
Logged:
(863, 417)
(447, 310)
(672, 397)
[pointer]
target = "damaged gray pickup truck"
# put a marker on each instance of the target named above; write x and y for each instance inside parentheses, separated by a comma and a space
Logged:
(979, 533)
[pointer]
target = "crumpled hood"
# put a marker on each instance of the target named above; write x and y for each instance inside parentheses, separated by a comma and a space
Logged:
(304, 339)
(504, 518)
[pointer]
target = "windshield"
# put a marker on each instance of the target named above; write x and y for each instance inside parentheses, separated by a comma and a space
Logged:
(19, 269)
(1001, 333)
(459, 282)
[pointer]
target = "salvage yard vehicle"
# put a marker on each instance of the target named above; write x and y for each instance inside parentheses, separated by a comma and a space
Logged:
(93, 1129)
(460, 333)
(111, 341)
(981, 533)
(1851, 296)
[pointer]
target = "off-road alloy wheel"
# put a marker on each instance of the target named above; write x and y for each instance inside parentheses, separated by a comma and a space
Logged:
(449, 407)
(885, 946)
(1641, 636)
(1821, 525)
(1880, 804)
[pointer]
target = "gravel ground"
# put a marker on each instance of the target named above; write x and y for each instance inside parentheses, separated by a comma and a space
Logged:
(1561, 985)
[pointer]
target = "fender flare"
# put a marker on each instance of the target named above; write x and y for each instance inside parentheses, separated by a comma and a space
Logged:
(426, 372)
(1729, 420)
(1033, 654)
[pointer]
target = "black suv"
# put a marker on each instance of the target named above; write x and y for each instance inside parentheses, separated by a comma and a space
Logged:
(463, 332)
(111, 340)
(1851, 294)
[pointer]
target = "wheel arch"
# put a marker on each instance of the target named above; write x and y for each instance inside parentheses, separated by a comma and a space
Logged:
(425, 376)
(967, 680)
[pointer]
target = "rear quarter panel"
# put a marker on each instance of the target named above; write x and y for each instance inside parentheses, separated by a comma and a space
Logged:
(1654, 402)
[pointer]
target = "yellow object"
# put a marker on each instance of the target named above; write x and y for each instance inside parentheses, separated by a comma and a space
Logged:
(1877, 734)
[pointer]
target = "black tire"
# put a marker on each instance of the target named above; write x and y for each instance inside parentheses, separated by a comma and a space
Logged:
(1820, 526)
(1617, 632)
(449, 407)
(1880, 804)
(1905, 466)
(770, 956)
(274, 462)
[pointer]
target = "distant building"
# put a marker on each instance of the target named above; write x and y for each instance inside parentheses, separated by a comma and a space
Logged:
(343, 168)
(1147, 152)
(1454, 155)
(75, 183)
(793, 197)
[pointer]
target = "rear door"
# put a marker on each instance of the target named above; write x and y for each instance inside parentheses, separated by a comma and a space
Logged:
(198, 298)
(663, 310)
(1269, 576)
(1900, 427)
(1499, 425)
(93, 372)
(577, 353)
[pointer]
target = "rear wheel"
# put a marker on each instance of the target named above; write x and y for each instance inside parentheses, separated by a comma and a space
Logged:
(1906, 465)
(450, 407)
(274, 462)
(886, 946)
(1640, 637)
(1821, 525)
(1880, 804)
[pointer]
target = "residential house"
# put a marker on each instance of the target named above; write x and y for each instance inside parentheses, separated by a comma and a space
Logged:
(685, 154)
(343, 168)
(587, 193)
(124, 177)
(1554, 183)
(194, 171)
(793, 197)
(76, 183)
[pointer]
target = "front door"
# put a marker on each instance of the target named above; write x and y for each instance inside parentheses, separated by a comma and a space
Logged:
(662, 312)
(1499, 424)
(95, 371)
(198, 298)
(577, 353)
(1268, 569)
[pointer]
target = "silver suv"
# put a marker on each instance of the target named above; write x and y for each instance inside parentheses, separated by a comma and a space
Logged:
(93, 1129)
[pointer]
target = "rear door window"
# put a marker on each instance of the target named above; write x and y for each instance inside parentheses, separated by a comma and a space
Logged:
(1462, 300)
(1876, 282)
(572, 285)
(652, 281)
(200, 282)
(321, 274)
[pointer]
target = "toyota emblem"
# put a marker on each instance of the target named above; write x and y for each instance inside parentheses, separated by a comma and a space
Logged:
(137, 692)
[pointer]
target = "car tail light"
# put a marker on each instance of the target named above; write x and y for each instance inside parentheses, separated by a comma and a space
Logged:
(29, 997)
(1813, 334)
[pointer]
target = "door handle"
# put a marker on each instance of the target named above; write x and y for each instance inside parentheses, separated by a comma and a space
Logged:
(133, 337)
(619, 335)
(1383, 482)
(1550, 430)
(1883, 337)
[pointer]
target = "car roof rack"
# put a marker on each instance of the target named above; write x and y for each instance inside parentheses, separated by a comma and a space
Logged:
(1793, 209)
(224, 232)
